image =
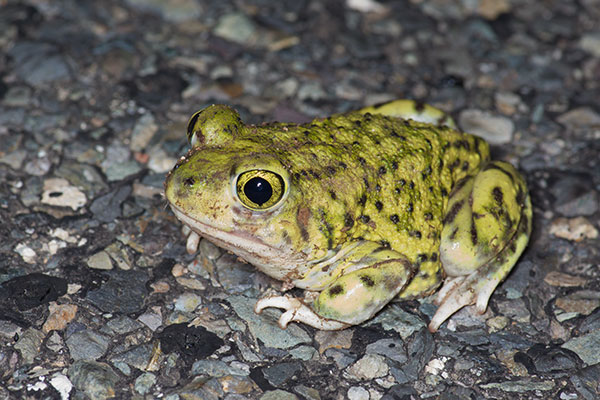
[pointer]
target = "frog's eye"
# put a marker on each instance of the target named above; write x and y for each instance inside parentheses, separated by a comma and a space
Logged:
(259, 189)
(192, 130)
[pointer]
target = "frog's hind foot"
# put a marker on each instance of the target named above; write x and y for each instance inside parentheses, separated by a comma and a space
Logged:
(462, 291)
(297, 311)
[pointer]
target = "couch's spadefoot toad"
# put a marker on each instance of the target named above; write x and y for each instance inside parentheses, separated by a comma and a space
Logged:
(362, 207)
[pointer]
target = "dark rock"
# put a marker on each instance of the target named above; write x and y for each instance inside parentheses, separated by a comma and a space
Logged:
(543, 358)
(279, 373)
(29, 291)
(591, 323)
(400, 392)
(191, 343)
(107, 208)
(123, 292)
(419, 349)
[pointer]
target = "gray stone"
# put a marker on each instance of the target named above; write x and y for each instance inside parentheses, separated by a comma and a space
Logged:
(342, 357)
(590, 42)
(304, 353)
(586, 381)
(395, 318)
(39, 64)
(234, 275)
(107, 208)
(278, 395)
(586, 347)
(215, 368)
(119, 325)
(87, 345)
(236, 27)
(307, 392)
(144, 383)
(135, 356)
(520, 386)
(171, 10)
(390, 348)
(580, 117)
(29, 344)
(97, 380)
(264, 326)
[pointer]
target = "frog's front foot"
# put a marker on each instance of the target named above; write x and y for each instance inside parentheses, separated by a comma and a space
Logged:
(297, 311)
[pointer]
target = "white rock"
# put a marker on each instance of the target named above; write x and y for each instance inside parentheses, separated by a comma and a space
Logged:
(59, 192)
(494, 129)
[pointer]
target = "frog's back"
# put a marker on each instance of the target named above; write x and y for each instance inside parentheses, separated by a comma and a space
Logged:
(379, 178)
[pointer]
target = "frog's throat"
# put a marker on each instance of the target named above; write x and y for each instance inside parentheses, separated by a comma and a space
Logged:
(276, 262)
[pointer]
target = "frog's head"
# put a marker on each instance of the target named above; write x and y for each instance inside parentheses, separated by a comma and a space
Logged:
(235, 189)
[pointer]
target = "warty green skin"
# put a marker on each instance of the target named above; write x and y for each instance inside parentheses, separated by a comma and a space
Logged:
(364, 207)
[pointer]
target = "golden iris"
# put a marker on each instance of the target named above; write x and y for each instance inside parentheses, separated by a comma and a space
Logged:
(260, 189)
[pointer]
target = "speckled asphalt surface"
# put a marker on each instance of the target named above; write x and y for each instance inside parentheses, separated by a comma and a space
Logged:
(98, 298)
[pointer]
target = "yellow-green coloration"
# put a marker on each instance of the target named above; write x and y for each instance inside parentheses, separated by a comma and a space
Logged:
(362, 207)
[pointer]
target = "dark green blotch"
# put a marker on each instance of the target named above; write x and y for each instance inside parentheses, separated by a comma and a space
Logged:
(453, 211)
(498, 195)
(336, 290)
(363, 200)
(367, 280)
(348, 221)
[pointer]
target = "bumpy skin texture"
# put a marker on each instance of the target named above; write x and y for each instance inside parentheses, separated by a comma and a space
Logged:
(371, 204)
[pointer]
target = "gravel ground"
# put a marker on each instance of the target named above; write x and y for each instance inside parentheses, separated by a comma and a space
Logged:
(98, 298)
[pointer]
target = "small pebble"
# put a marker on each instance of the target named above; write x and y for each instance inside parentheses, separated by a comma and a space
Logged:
(178, 270)
(100, 260)
(556, 278)
(369, 367)
(26, 252)
(187, 302)
(357, 393)
(574, 229)
(60, 316)
(494, 129)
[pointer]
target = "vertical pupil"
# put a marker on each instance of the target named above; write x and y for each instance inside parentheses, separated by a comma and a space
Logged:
(258, 190)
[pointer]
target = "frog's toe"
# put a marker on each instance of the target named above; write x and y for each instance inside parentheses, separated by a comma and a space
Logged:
(296, 310)
(460, 292)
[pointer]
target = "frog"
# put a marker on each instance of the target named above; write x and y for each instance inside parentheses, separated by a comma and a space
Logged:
(385, 203)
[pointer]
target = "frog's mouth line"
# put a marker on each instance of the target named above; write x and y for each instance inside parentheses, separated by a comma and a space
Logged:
(273, 261)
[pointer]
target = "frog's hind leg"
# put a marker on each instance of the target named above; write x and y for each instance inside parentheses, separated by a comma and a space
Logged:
(486, 229)
(410, 109)
(364, 286)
